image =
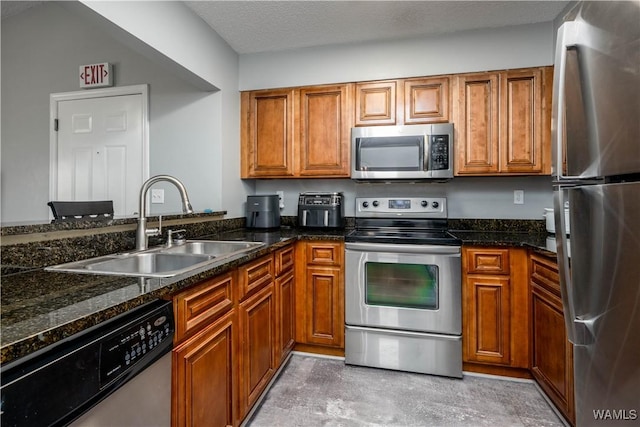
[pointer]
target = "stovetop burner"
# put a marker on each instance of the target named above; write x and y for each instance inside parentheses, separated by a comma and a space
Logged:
(402, 221)
(402, 236)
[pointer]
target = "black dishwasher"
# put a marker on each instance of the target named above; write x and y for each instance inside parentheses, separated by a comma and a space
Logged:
(59, 383)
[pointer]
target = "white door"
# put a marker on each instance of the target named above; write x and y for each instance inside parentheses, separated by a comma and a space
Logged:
(100, 148)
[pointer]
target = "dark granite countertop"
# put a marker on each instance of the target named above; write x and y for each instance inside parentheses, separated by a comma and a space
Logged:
(40, 307)
(536, 241)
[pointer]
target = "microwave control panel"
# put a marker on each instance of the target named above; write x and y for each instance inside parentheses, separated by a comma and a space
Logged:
(439, 152)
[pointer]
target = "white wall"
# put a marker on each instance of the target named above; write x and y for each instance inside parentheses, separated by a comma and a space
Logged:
(511, 47)
(480, 50)
(467, 197)
(193, 134)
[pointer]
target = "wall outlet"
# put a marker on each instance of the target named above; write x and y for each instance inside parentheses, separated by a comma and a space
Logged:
(280, 194)
(518, 197)
(157, 195)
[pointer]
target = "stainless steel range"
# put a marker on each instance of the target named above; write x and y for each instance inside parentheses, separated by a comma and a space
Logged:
(403, 307)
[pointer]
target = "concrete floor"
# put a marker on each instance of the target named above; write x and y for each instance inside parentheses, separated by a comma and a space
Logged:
(314, 391)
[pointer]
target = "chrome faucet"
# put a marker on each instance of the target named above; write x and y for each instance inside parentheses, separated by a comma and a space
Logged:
(142, 232)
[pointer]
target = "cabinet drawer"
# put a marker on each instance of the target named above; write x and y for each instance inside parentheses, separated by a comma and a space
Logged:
(325, 253)
(255, 275)
(199, 306)
(284, 259)
(487, 261)
(544, 273)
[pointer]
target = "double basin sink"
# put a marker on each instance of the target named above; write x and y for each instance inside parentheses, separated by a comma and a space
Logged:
(163, 261)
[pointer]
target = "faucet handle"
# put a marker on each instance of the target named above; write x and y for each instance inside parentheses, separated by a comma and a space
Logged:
(155, 231)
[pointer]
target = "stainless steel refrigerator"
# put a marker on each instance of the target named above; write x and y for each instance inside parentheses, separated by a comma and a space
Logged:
(596, 133)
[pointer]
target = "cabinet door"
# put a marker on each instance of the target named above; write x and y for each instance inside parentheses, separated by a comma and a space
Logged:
(376, 103)
(426, 100)
(285, 297)
(204, 383)
(324, 291)
(552, 353)
(487, 328)
(552, 358)
(521, 121)
(257, 326)
(477, 136)
(268, 133)
(496, 307)
(325, 129)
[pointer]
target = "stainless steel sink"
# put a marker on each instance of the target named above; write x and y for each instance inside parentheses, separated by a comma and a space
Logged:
(217, 248)
(162, 262)
(146, 264)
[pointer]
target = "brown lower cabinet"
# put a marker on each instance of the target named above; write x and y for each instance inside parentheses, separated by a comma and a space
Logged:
(257, 321)
(235, 330)
(495, 310)
(320, 297)
(551, 352)
(204, 379)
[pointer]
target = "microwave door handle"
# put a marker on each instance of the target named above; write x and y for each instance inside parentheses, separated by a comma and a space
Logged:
(304, 216)
(326, 218)
(427, 152)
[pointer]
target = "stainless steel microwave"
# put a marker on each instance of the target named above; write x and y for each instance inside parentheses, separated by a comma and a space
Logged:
(412, 152)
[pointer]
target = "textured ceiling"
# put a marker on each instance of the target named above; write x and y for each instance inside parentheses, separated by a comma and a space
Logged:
(264, 26)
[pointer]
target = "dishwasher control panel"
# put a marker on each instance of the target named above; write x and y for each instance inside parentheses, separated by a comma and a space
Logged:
(129, 345)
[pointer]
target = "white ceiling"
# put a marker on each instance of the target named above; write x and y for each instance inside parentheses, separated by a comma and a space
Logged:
(267, 26)
(263, 26)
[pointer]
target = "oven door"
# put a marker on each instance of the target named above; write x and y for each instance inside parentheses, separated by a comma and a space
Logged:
(404, 287)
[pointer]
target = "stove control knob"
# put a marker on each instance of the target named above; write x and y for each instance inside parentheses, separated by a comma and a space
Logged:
(435, 205)
(375, 203)
(365, 204)
(424, 203)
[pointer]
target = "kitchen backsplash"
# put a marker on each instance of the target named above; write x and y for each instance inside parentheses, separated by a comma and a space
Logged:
(467, 197)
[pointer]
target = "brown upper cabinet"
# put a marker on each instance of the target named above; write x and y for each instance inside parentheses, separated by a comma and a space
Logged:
(405, 101)
(296, 133)
(503, 122)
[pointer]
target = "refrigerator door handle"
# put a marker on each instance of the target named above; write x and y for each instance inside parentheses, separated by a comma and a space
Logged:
(564, 271)
(567, 36)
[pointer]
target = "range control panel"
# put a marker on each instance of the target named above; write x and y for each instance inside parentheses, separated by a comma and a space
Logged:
(129, 345)
(413, 207)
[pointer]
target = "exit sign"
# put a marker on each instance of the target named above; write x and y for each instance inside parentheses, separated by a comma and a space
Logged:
(95, 75)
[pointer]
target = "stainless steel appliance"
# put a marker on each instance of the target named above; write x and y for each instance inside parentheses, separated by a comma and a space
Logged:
(117, 373)
(263, 211)
(412, 152)
(596, 110)
(403, 287)
(321, 210)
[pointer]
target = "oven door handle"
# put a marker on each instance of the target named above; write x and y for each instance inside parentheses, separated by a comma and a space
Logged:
(410, 249)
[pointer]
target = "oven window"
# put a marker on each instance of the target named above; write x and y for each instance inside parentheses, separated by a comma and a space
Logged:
(402, 285)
